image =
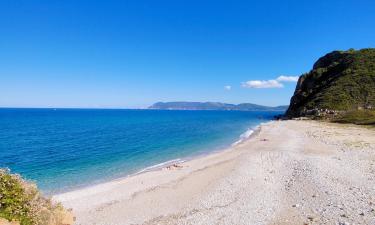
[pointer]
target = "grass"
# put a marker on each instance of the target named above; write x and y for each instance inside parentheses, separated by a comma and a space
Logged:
(22, 202)
(360, 117)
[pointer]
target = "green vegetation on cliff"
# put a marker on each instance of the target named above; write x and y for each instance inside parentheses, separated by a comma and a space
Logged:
(360, 117)
(340, 80)
(21, 201)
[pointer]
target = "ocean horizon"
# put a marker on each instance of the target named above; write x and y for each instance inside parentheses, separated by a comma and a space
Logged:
(66, 149)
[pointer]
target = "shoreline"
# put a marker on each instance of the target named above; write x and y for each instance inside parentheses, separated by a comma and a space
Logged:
(182, 160)
(160, 166)
(164, 165)
(291, 172)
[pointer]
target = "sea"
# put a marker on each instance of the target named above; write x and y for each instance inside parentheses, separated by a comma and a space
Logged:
(66, 149)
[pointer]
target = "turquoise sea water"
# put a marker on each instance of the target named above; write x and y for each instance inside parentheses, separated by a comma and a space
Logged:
(65, 149)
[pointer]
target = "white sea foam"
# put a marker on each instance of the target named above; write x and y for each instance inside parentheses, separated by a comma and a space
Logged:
(160, 165)
(244, 136)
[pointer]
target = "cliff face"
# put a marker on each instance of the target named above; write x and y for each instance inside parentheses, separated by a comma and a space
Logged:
(340, 80)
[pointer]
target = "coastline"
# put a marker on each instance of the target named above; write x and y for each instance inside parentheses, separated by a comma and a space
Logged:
(252, 178)
(250, 132)
(164, 165)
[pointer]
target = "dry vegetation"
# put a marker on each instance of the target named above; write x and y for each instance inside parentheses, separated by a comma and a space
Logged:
(22, 203)
(360, 117)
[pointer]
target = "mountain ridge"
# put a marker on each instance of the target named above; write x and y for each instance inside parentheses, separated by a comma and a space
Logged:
(185, 105)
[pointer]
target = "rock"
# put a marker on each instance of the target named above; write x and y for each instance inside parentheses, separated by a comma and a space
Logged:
(344, 223)
(296, 205)
(323, 91)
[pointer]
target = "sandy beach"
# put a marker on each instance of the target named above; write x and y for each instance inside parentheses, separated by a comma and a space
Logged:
(291, 172)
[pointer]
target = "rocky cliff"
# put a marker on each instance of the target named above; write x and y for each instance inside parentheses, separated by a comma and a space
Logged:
(339, 81)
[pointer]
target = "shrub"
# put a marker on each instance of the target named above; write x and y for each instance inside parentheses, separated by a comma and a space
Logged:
(361, 117)
(21, 201)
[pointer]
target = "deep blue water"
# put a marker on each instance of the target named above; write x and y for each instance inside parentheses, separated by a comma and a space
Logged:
(68, 148)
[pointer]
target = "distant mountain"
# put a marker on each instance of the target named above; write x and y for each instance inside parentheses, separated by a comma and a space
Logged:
(340, 80)
(214, 106)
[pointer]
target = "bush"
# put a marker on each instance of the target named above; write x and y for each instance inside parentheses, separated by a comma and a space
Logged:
(21, 201)
(360, 117)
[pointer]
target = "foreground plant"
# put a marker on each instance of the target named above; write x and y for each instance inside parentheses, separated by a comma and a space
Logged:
(20, 201)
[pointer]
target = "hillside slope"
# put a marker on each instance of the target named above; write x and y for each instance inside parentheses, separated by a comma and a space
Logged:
(340, 80)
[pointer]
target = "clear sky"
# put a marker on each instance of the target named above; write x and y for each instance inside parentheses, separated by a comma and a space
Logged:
(119, 54)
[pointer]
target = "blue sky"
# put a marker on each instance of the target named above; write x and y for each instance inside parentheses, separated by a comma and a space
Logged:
(120, 54)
